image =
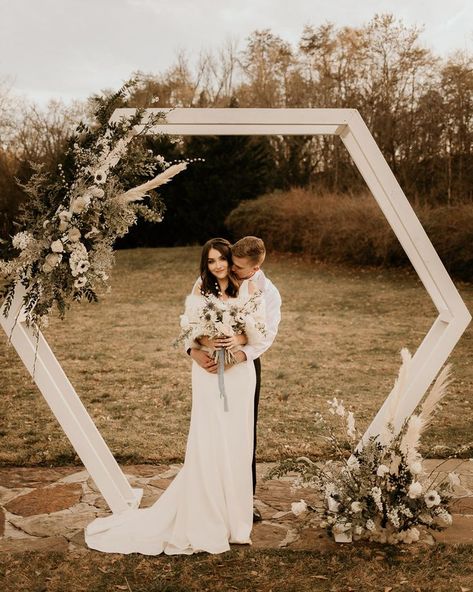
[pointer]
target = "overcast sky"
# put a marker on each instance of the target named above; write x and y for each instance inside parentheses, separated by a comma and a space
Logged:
(71, 48)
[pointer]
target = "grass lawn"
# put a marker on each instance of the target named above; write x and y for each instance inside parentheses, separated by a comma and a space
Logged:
(340, 335)
(346, 569)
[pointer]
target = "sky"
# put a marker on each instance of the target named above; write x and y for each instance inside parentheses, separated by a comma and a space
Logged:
(69, 49)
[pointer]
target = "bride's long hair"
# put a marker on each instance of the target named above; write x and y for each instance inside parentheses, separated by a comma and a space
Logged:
(209, 281)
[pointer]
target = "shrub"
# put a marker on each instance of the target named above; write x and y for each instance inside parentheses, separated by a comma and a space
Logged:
(351, 229)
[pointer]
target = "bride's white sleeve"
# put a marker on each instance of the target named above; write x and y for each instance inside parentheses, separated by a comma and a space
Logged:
(190, 321)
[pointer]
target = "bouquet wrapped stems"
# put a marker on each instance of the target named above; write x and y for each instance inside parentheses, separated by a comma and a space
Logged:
(223, 357)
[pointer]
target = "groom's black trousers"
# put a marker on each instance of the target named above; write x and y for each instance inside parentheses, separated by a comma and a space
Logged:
(257, 363)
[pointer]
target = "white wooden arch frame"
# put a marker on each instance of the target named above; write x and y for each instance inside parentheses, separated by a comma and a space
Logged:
(453, 316)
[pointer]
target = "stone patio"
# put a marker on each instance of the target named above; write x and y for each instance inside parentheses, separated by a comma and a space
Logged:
(43, 509)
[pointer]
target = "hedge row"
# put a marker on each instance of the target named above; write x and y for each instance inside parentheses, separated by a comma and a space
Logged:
(353, 230)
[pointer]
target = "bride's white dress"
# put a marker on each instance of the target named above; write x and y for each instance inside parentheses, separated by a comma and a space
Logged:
(210, 502)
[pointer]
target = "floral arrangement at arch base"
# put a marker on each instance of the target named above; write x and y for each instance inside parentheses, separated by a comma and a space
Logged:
(380, 491)
(63, 250)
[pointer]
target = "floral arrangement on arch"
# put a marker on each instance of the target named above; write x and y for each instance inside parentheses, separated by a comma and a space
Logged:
(378, 491)
(63, 250)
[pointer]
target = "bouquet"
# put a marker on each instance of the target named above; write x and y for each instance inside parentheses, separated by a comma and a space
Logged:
(211, 317)
(379, 490)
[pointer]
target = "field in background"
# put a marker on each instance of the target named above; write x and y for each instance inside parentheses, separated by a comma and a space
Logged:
(341, 334)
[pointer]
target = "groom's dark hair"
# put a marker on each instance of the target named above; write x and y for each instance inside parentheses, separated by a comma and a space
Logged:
(250, 247)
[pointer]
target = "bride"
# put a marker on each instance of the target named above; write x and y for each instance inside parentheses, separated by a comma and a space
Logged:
(210, 502)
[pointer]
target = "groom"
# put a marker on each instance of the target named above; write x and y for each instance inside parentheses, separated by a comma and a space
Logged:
(248, 255)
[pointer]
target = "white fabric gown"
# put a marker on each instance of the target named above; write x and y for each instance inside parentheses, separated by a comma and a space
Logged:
(210, 502)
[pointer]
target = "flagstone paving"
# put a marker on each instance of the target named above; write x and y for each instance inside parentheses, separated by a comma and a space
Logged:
(47, 509)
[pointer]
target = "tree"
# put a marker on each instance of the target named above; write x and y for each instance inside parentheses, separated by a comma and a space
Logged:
(457, 90)
(266, 63)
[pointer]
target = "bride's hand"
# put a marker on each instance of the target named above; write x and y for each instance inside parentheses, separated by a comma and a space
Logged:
(207, 342)
(231, 342)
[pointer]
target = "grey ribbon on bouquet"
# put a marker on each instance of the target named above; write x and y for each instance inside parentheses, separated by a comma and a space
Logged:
(221, 379)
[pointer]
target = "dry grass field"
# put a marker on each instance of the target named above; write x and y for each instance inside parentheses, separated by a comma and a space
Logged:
(345, 569)
(341, 334)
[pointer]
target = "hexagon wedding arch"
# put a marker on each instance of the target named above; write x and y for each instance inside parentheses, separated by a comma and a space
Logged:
(453, 316)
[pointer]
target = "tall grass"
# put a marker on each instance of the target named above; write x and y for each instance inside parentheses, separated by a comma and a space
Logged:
(351, 229)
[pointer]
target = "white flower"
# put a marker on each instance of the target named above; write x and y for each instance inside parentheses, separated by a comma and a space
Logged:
(82, 267)
(97, 191)
(332, 504)
(405, 511)
(298, 508)
(329, 489)
(376, 495)
(416, 467)
(100, 176)
(353, 463)
(356, 507)
(64, 220)
(382, 470)
(80, 203)
(394, 517)
(80, 282)
(78, 257)
(443, 517)
(409, 536)
(21, 240)
(454, 479)
(74, 234)
(50, 262)
(57, 246)
(432, 498)
(53, 258)
(370, 525)
(415, 489)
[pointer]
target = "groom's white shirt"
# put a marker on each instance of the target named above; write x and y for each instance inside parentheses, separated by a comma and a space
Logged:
(272, 302)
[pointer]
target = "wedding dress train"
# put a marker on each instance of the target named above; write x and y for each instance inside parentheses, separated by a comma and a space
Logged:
(210, 502)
